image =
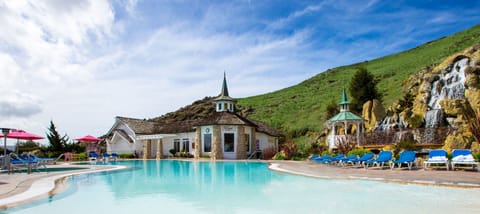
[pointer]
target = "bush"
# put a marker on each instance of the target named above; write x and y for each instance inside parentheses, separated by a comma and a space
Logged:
(126, 155)
(279, 156)
(359, 152)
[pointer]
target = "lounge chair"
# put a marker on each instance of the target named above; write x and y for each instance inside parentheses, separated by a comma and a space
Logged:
(334, 159)
(463, 157)
(114, 156)
(105, 156)
(437, 156)
(361, 161)
(321, 158)
(42, 160)
(92, 156)
(345, 160)
(22, 161)
(314, 156)
(406, 157)
(383, 157)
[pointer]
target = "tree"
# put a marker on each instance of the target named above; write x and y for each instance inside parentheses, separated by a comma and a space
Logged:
(331, 110)
(58, 144)
(363, 87)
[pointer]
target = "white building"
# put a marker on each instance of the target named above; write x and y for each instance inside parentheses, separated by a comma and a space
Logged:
(220, 134)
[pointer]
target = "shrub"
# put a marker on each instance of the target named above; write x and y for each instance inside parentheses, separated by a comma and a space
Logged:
(126, 155)
(359, 152)
(279, 156)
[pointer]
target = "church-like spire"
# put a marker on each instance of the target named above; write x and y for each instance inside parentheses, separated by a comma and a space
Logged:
(344, 103)
(224, 91)
(344, 97)
(224, 102)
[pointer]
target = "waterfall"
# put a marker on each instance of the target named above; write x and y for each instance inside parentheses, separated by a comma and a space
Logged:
(433, 118)
(390, 123)
(450, 85)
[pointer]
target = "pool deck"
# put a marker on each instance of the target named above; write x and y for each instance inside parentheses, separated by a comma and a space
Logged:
(20, 188)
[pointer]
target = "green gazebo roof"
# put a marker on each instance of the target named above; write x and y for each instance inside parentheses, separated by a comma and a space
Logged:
(345, 115)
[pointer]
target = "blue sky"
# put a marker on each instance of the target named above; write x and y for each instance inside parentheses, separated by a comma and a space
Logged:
(81, 63)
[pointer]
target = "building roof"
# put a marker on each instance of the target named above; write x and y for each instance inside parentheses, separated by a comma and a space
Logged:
(344, 98)
(224, 92)
(147, 127)
(345, 116)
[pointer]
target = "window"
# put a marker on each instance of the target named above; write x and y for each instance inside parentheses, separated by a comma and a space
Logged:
(185, 145)
(207, 142)
(247, 142)
(176, 145)
(225, 106)
(219, 106)
(228, 142)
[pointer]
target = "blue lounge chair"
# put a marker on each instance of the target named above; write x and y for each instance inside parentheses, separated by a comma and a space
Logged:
(334, 159)
(42, 160)
(105, 156)
(314, 156)
(345, 160)
(114, 156)
(92, 156)
(360, 161)
(383, 157)
(406, 157)
(321, 158)
(463, 157)
(437, 156)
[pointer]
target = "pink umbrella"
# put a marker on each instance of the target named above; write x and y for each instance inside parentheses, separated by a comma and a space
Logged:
(89, 139)
(22, 135)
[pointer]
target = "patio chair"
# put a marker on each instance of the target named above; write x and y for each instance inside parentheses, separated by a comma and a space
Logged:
(92, 156)
(334, 159)
(114, 156)
(361, 161)
(383, 157)
(105, 156)
(406, 157)
(321, 158)
(438, 157)
(463, 157)
(345, 160)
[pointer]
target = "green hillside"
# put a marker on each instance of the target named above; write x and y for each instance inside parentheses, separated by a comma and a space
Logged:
(299, 109)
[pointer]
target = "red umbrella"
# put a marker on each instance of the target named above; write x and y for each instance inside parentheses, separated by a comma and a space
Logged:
(22, 135)
(89, 139)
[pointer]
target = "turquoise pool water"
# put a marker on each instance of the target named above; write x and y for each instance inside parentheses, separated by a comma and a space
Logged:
(169, 186)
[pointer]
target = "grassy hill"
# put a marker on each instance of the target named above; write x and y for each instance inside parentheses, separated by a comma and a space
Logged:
(300, 108)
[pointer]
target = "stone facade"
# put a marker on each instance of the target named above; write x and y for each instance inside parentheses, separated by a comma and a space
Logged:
(241, 146)
(198, 143)
(217, 152)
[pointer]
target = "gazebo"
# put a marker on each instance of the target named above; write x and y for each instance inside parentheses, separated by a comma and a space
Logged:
(347, 120)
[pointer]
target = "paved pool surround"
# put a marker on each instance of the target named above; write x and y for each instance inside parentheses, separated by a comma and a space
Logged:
(21, 188)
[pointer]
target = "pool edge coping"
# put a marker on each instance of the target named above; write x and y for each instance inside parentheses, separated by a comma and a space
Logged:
(47, 186)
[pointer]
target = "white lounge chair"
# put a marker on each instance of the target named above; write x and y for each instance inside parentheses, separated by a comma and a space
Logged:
(463, 157)
(438, 156)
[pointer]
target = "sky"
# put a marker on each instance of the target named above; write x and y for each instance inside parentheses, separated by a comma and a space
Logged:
(82, 63)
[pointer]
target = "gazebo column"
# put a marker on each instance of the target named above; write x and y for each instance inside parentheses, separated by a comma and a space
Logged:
(198, 143)
(159, 149)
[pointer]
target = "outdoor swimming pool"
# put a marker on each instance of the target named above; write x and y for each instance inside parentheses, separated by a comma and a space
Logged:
(170, 186)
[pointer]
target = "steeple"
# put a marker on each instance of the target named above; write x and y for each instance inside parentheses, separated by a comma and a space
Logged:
(224, 91)
(224, 102)
(344, 103)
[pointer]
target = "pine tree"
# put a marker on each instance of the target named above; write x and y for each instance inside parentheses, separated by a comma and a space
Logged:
(363, 87)
(58, 144)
